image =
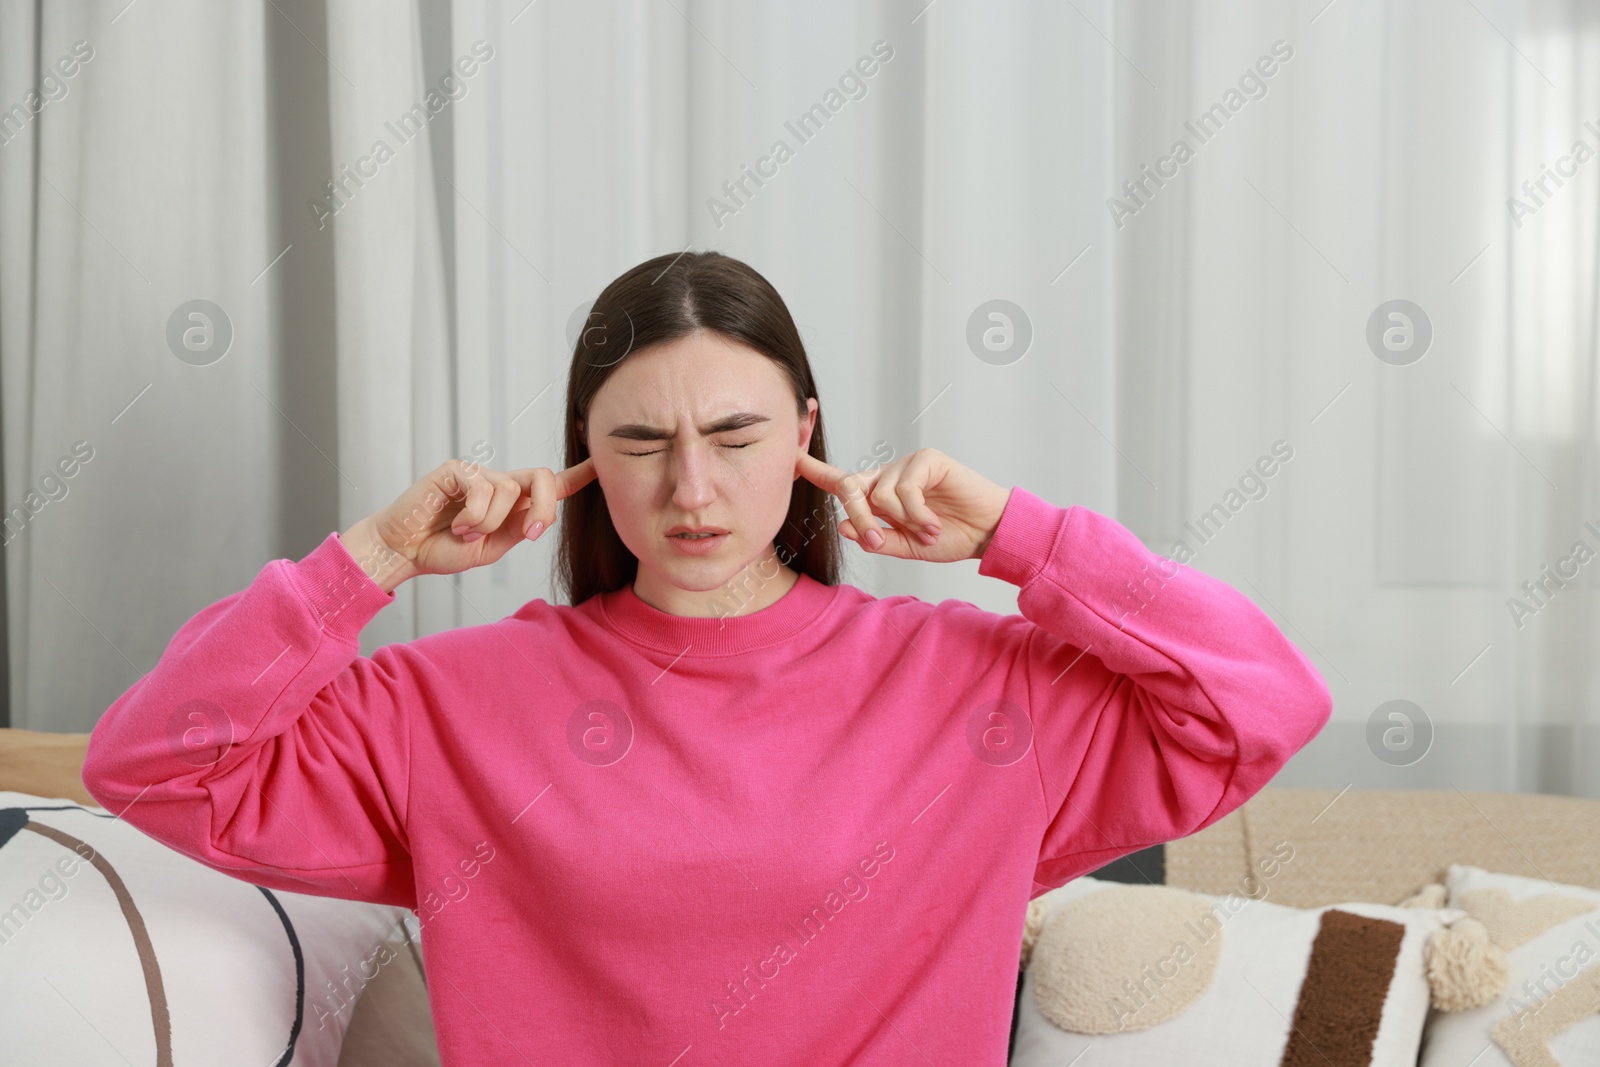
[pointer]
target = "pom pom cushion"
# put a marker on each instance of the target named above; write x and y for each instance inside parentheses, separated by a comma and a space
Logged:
(1151, 974)
(1546, 1014)
(115, 948)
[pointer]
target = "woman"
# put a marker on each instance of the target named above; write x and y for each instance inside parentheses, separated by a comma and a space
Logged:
(720, 809)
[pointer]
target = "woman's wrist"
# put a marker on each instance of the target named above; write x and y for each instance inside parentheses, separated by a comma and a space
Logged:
(379, 562)
(999, 497)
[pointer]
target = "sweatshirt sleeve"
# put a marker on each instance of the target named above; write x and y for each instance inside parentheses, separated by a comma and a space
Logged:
(1160, 698)
(264, 746)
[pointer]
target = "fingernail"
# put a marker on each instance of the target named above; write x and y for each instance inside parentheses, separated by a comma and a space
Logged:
(535, 530)
(459, 529)
(933, 530)
(471, 537)
(874, 539)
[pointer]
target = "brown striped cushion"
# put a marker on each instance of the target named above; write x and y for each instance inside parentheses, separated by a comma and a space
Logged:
(1146, 974)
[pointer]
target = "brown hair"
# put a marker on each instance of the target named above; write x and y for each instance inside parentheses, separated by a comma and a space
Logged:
(657, 302)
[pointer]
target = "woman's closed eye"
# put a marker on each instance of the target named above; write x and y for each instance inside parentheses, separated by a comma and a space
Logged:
(652, 452)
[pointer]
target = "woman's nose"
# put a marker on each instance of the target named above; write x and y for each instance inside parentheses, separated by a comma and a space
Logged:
(692, 468)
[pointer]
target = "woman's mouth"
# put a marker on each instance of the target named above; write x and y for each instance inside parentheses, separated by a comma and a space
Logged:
(698, 543)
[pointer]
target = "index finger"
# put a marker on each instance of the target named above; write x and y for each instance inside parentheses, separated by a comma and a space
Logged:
(574, 478)
(850, 487)
(564, 482)
(545, 488)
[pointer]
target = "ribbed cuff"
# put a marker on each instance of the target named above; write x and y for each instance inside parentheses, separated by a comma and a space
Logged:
(1025, 538)
(338, 592)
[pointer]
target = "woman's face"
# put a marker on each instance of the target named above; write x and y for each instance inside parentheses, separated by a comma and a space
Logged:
(701, 432)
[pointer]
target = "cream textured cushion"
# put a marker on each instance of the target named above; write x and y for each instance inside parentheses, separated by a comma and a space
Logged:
(1148, 974)
(1547, 1015)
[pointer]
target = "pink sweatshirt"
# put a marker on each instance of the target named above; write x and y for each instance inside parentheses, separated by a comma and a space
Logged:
(803, 836)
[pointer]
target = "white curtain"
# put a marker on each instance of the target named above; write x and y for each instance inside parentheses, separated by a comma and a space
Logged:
(1375, 164)
(139, 182)
(1173, 345)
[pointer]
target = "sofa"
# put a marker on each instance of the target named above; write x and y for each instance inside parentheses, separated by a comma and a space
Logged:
(1372, 845)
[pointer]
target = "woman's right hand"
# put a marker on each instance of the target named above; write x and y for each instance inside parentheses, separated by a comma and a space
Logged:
(459, 516)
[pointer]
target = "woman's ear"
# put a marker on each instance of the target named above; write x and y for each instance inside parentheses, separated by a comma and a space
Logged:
(807, 425)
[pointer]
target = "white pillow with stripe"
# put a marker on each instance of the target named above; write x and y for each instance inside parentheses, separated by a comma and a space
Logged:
(115, 948)
(1148, 974)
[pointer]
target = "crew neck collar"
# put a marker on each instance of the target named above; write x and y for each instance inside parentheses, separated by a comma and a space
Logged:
(686, 635)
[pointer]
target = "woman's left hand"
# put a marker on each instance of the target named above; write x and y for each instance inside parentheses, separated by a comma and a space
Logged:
(938, 510)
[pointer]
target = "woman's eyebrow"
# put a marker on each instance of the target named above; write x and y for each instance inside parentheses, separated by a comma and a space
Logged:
(639, 431)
